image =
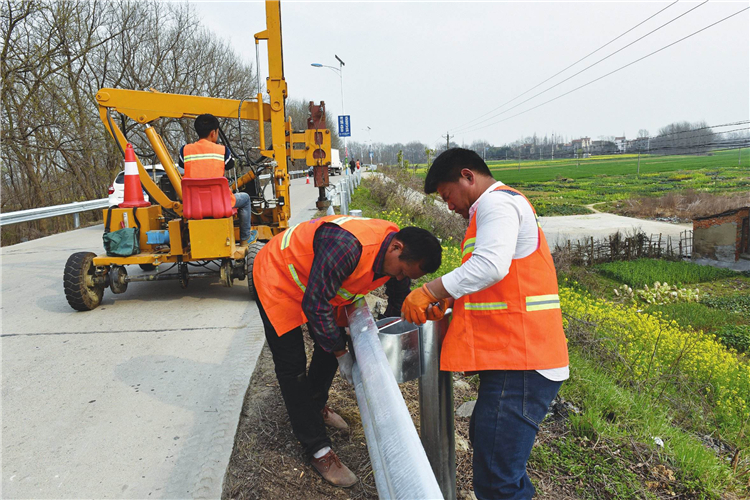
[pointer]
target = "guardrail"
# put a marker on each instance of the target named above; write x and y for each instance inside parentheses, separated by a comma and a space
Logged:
(54, 211)
(77, 207)
(342, 195)
(401, 467)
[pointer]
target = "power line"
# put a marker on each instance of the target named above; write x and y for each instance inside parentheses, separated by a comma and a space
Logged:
(611, 72)
(594, 64)
(568, 67)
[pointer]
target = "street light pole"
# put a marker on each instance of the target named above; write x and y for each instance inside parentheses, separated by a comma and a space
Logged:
(340, 71)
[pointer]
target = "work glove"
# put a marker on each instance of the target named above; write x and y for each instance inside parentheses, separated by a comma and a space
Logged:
(436, 312)
(415, 306)
(346, 364)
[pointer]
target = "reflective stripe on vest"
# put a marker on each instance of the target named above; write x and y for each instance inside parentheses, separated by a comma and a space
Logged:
(296, 278)
(542, 302)
(287, 238)
(205, 156)
(486, 306)
(468, 247)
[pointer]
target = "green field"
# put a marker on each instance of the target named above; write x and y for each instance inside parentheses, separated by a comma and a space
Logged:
(565, 187)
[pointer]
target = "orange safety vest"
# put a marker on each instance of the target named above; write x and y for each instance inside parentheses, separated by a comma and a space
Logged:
(515, 324)
(204, 160)
(282, 268)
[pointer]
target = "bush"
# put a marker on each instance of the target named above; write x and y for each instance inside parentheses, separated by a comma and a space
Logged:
(735, 336)
(739, 304)
(638, 273)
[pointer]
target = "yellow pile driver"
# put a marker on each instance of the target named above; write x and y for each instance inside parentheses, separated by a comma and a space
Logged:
(165, 235)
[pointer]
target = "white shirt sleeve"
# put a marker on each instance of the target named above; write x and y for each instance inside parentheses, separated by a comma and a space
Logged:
(500, 218)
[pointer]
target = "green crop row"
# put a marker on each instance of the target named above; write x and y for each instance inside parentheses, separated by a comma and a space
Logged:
(638, 273)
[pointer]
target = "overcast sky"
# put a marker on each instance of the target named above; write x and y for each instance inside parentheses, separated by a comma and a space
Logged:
(417, 70)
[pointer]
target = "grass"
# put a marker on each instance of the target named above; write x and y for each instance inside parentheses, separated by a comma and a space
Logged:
(554, 187)
(638, 273)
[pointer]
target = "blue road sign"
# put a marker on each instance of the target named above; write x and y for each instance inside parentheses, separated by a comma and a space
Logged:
(345, 129)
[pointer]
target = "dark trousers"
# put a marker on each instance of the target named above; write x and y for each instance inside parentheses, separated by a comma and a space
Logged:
(506, 418)
(305, 392)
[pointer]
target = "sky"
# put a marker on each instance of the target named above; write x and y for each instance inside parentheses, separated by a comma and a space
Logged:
(422, 70)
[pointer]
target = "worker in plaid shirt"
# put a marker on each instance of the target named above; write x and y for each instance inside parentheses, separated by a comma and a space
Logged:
(308, 274)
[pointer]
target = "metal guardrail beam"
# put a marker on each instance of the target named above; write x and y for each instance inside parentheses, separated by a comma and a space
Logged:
(399, 462)
(54, 211)
(75, 208)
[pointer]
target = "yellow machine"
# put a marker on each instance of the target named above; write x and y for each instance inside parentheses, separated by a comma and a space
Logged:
(198, 242)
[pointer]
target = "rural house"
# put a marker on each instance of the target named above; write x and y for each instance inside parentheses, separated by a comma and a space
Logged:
(724, 237)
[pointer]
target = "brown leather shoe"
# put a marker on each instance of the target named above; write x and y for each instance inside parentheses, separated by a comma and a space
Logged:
(333, 419)
(330, 467)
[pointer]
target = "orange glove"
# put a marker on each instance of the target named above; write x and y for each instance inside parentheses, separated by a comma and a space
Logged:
(416, 304)
(437, 312)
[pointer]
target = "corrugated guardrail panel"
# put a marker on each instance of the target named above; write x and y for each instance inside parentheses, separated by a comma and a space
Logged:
(392, 439)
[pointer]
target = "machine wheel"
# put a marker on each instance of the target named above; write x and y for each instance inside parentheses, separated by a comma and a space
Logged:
(117, 281)
(81, 292)
(252, 252)
(147, 267)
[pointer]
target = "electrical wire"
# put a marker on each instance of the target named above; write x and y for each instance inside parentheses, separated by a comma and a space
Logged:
(610, 73)
(591, 65)
(566, 68)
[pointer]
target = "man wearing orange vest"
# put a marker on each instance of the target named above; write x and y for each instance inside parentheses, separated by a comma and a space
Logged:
(507, 323)
(205, 159)
(307, 274)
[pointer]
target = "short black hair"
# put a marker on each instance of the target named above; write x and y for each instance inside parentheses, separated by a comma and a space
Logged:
(420, 246)
(205, 124)
(448, 165)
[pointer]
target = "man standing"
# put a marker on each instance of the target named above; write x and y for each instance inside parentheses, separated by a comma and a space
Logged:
(507, 323)
(307, 274)
(352, 165)
(205, 159)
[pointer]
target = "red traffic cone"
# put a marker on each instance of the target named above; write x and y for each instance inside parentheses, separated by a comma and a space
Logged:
(133, 189)
(307, 179)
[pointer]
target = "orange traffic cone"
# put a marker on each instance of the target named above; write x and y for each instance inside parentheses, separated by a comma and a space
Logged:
(307, 179)
(133, 190)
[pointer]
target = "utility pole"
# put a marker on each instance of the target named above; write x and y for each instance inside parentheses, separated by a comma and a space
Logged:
(739, 158)
(639, 163)
(447, 141)
(519, 160)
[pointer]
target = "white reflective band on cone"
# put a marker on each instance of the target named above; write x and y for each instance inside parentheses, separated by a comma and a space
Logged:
(131, 168)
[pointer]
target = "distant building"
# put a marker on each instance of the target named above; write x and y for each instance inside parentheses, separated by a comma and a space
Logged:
(724, 237)
(621, 144)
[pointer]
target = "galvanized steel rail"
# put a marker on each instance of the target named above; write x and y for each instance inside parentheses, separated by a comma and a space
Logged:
(399, 462)
(77, 207)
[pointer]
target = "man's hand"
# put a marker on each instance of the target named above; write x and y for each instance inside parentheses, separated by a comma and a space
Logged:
(437, 312)
(416, 304)
(346, 363)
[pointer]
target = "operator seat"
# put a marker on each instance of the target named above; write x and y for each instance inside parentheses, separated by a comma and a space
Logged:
(208, 198)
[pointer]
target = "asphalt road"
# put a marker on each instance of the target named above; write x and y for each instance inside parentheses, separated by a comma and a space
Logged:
(139, 398)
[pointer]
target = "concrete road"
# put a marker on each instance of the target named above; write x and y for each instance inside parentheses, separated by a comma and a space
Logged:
(560, 229)
(139, 398)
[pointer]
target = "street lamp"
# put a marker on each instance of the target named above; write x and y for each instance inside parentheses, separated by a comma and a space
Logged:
(340, 71)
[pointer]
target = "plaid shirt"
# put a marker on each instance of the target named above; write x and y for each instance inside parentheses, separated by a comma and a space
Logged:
(336, 256)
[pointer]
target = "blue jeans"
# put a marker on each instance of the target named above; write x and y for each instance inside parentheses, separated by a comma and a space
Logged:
(506, 418)
(242, 204)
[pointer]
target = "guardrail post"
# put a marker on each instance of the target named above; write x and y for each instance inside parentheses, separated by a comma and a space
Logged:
(76, 221)
(436, 422)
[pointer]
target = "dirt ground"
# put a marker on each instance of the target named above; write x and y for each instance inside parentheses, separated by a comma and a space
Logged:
(268, 463)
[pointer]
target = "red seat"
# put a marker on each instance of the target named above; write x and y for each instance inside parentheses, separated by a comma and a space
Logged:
(206, 198)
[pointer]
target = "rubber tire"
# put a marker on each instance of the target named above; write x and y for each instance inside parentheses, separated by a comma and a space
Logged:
(252, 252)
(147, 267)
(79, 296)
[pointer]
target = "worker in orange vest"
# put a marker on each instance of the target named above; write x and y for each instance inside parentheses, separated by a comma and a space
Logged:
(307, 274)
(205, 159)
(507, 323)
